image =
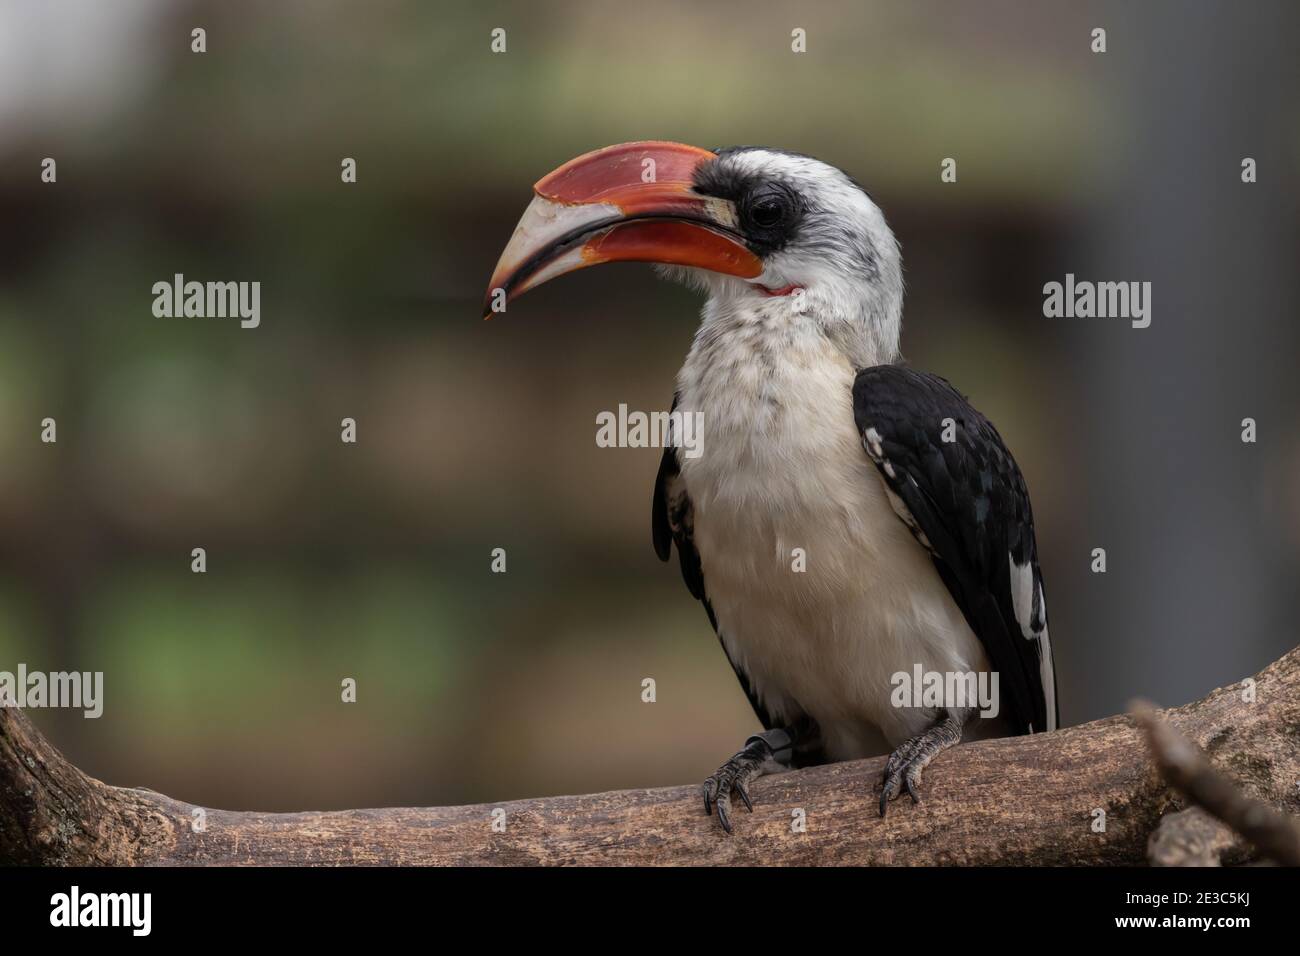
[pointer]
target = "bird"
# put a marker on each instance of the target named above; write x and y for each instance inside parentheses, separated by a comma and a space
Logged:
(819, 446)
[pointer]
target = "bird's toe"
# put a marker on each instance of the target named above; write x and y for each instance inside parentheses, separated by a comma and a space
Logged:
(912, 779)
(734, 775)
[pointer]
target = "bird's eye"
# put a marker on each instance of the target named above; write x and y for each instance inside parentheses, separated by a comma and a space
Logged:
(770, 214)
(767, 212)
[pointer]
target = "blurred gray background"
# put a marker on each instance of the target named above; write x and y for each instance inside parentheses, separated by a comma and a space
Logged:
(372, 561)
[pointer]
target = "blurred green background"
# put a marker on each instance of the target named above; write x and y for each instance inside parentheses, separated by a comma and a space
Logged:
(371, 561)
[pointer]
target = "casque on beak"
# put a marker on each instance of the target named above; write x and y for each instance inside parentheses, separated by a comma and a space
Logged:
(628, 203)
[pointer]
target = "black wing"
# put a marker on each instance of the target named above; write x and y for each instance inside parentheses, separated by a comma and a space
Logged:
(673, 522)
(965, 501)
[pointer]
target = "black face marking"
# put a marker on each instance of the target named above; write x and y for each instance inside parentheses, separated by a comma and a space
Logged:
(774, 213)
(770, 209)
(770, 214)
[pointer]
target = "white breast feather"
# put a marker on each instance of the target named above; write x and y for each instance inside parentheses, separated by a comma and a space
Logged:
(783, 467)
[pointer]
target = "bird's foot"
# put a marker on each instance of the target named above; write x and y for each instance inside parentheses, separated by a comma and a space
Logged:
(763, 753)
(904, 767)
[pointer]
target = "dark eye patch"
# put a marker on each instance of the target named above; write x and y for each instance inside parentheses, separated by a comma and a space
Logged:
(770, 214)
(770, 210)
(808, 223)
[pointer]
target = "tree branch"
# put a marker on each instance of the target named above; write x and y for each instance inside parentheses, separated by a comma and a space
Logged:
(1190, 837)
(1221, 808)
(1022, 800)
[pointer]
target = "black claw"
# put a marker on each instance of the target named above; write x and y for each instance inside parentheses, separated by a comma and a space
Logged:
(744, 795)
(723, 816)
(733, 778)
(906, 764)
(889, 786)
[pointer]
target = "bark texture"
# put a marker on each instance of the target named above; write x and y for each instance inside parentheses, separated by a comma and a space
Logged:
(1038, 800)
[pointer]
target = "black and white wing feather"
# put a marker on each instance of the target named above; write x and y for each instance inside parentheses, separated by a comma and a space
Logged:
(965, 501)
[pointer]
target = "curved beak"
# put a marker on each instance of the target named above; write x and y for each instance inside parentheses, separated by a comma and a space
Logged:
(628, 203)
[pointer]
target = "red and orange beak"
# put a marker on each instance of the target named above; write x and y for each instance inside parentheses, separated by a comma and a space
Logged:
(628, 203)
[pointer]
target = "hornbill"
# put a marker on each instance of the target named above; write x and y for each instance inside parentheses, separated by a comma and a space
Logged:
(914, 522)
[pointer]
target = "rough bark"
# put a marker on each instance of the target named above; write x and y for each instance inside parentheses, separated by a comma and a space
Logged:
(1222, 815)
(1024, 800)
(1191, 837)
